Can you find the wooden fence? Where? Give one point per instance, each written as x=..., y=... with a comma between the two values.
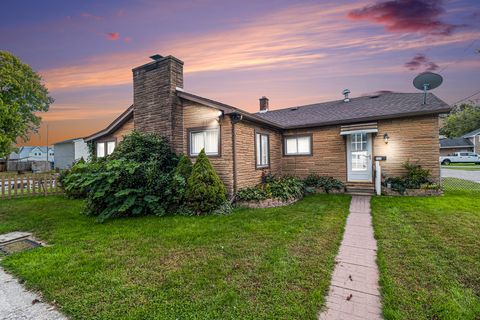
x=29, y=185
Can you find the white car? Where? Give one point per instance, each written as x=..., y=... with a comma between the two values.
x=460, y=157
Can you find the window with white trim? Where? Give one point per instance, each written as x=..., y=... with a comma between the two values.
x=105, y=148
x=262, y=150
x=208, y=139
x=298, y=145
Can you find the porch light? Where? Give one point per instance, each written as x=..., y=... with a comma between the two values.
x=386, y=137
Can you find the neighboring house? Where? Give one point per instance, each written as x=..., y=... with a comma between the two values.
x=338, y=138
x=35, y=153
x=474, y=138
x=70, y=151
x=449, y=146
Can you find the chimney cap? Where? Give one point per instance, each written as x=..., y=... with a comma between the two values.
x=156, y=57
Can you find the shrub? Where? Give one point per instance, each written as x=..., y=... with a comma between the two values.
x=326, y=183
x=180, y=177
x=74, y=181
x=284, y=188
x=205, y=191
x=145, y=147
x=415, y=178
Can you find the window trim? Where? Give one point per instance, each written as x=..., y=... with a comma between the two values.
x=200, y=129
x=289, y=136
x=105, y=146
x=261, y=133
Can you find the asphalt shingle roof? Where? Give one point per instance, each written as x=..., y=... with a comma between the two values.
x=455, y=142
x=375, y=107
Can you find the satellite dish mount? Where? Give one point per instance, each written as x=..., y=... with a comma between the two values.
x=427, y=81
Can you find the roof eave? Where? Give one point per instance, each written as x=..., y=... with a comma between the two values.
x=120, y=120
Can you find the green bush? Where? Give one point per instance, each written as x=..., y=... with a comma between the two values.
x=326, y=183
x=415, y=178
x=74, y=181
x=284, y=188
x=205, y=191
x=179, y=185
x=146, y=147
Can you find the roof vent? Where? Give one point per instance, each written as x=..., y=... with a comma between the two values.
x=346, y=92
x=156, y=57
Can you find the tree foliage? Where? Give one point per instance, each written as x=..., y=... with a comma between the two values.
x=205, y=191
x=462, y=119
x=22, y=94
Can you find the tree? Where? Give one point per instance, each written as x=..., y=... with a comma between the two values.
x=205, y=190
x=462, y=119
x=22, y=94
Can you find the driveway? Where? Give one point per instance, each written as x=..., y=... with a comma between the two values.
x=461, y=174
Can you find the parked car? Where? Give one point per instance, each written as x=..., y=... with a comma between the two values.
x=460, y=157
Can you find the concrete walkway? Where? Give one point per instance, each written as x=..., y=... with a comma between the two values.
x=17, y=303
x=354, y=292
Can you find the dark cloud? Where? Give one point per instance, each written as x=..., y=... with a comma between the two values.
x=420, y=61
x=406, y=16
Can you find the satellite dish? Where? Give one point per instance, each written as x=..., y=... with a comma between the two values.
x=427, y=81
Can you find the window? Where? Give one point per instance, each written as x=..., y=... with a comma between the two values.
x=298, y=145
x=208, y=139
x=262, y=150
x=105, y=148
x=463, y=154
x=110, y=147
x=100, y=149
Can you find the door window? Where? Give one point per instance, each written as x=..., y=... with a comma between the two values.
x=359, y=152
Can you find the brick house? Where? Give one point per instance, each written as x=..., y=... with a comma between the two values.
x=337, y=138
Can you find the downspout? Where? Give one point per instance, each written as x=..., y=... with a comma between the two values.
x=234, y=158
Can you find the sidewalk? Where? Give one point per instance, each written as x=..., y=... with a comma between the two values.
x=354, y=292
x=17, y=303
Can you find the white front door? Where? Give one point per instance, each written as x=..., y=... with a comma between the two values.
x=359, y=157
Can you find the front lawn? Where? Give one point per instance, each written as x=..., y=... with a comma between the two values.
x=429, y=255
x=253, y=264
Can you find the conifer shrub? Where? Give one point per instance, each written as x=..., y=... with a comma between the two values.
x=205, y=191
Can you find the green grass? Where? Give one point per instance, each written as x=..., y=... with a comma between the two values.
x=429, y=255
x=253, y=264
x=456, y=184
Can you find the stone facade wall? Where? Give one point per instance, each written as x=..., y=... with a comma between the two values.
x=414, y=139
x=156, y=107
x=198, y=116
x=247, y=173
x=328, y=154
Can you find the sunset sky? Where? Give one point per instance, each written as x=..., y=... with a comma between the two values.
x=293, y=52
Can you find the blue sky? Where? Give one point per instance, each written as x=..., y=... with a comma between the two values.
x=294, y=52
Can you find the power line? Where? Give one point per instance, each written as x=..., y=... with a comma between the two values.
x=467, y=97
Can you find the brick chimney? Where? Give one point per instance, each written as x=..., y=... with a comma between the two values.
x=263, y=104
x=156, y=106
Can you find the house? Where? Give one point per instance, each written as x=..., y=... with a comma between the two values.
x=70, y=151
x=31, y=158
x=338, y=138
x=474, y=137
x=451, y=145
x=33, y=153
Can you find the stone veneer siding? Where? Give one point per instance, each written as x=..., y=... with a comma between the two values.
x=246, y=171
x=328, y=157
x=414, y=139
x=198, y=116
x=156, y=106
